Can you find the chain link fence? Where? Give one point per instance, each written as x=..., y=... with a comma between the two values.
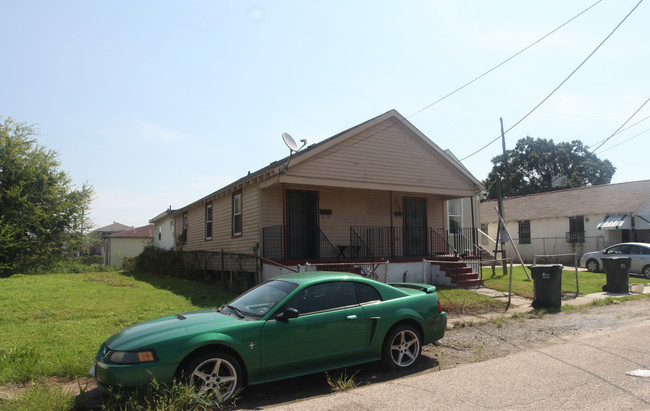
x=235, y=271
x=375, y=270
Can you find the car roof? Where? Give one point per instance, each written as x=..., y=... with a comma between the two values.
x=631, y=243
x=318, y=276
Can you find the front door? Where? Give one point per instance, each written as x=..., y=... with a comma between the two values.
x=415, y=227
x=302, y=224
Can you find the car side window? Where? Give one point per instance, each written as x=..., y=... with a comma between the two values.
x=644, y=251
x=621, y=249
x=322, y=297
x=635, y=250
x=367, y=293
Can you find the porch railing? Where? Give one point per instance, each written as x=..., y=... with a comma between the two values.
x=380, y=242
x=273, y=244
x=390, y=242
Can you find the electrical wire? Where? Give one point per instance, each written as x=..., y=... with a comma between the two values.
x=622, y=125
x=625, y=129
x=506, y=60
x=625, y=141
x=561, y=84
x=472, y=81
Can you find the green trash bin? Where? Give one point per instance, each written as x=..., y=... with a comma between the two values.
x=547, y=285
x=617, y=271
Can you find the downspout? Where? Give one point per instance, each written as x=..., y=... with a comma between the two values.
x=285, y=242
x=471, y=203
x=392, y=231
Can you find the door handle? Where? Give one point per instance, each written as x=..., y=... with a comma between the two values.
x=351, y=317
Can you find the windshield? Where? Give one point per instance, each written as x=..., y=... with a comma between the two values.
x=259, y=300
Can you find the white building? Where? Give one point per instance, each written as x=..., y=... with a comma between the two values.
x=163, y=231
x=576, y=220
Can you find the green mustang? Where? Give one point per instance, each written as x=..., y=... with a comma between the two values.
x=285, y=327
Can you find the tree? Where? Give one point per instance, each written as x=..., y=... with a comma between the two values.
x=42, y=215
x=534, y=164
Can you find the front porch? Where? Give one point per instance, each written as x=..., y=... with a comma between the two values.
x=369, y=243
x=455, y=253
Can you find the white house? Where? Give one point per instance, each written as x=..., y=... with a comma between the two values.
x=575, y=220
x=163, y=230
x=128, y=243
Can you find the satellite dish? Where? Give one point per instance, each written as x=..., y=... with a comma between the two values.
x=289, y=141
x=293, y=147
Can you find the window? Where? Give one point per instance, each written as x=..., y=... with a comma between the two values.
x=208, y=221
x=236, y=214
x=524, y=232
x=367, y=293
x=576, y=232
x=159, y=233
x=455, y=214
x=322, y=297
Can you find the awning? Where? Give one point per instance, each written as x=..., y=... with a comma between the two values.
x=614, y=222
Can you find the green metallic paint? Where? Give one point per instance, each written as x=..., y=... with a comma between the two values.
x=271, y=349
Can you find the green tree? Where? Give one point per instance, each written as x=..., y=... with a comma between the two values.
x=534, y=164
x=43, y=217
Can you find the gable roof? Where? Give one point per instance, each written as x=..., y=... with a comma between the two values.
x=392, y=118
x=114, y=228
x=621, y=198
x=140, y=232
x=162, y=216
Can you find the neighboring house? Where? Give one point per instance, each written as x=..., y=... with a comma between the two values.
x=100, y=235
x=379, y=190
x=128, y=243
x=576, y=220
x=163, y=230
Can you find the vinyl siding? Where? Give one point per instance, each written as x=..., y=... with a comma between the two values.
x=385, y=155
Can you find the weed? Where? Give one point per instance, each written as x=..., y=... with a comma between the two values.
x=479, y=353
x=156, y=396
x=341, y=381
x=498, y=321
x=19, y=364
x=42, y=397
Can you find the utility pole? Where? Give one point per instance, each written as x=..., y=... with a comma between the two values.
x=505, y=161
x=508, y=193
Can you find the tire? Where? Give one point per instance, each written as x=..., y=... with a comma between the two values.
x=402, y=347
x=646, y=271
x=215, y=374
x=592, y=266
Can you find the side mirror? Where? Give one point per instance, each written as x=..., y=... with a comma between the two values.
x=287, y=314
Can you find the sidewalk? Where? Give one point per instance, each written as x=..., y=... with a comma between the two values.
x=519, y=305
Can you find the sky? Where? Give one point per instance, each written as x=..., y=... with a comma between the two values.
x=160, y=103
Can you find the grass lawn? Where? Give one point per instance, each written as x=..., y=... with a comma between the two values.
x=589, y=282
x=53, y=324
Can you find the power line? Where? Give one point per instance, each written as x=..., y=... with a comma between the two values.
x=475, y=79
x=625, y=129
x=505, y=61
x=625, y=141
x=622, y=125
x=562, y=83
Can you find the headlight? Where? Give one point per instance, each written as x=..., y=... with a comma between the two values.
x=133, y=357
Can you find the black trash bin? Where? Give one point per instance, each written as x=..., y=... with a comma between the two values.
x=617, y=271
x=547, y=285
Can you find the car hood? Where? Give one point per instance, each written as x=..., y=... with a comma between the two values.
x=593, y=254
x=149, y=333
